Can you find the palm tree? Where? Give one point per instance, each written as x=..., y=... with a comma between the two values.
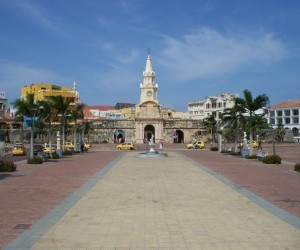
x=47, y=115
x=232, y=119
x=211, y=124
x=248, y=105
x=76, y=114
x=60, y=107
x=28, y=107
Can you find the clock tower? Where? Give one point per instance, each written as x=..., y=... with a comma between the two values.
x=148, y=114
x=148, y=89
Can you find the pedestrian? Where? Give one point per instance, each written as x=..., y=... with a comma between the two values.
x=81, y=145
x=259, y=146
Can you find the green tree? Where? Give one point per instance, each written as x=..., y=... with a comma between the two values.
x=60, y=109
x=248, y=105
x=77, y=114
x=211, y=125
x=233, y=120
x=48, y=116
x=279, y=133
x=28, y=107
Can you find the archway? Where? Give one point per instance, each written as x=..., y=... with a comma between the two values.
x=119, y=136
x=178, y=137
x=148, y=132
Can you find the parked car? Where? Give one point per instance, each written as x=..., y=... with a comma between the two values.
x=87, y=146
x=255, y=144
x=196, y=145
x=69, y=146
x=38, y=150
x=125, y=145
x=18, y=149
x=47, y=148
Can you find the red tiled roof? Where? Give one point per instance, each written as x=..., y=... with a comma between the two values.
x=88, y=114
x=287, y=104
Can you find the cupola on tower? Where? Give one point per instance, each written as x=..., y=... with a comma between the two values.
x=148, y=89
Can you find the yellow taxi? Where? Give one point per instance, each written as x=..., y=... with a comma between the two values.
x=196, y=145
x=18, y=149
x=69, y=146
x=47, y=148
x=255, y=144
x=125, y=145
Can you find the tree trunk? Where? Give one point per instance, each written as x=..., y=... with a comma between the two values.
x=31, y=140
x=50, y=139
x=75, y=137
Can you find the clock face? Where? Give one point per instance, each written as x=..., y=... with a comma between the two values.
x=149, y=93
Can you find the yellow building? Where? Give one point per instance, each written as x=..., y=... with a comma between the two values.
x=43, y=91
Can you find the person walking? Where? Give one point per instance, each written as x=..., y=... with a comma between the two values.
x=81, y=145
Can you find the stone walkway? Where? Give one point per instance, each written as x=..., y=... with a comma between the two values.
x=161, y=203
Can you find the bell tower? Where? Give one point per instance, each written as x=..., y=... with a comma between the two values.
x=148, y=89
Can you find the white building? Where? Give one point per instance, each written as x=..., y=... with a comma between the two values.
x=211, y=105
x=286, y=114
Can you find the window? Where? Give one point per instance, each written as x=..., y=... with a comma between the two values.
x=272, y=121
x=287, y=120
x=279, y=113
x=272, y=113
x=295, y=111
x=224, y=104
x=295, y=120
x=279, y=121
x=287, y=113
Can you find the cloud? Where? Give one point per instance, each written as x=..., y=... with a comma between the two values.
x=14, y=76
x=37, y=15
x=207, y=53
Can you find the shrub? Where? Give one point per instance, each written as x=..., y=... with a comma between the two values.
x=214, y=149
x=105, y=141
x=7, y=166
x=250, y=157
x=55, y=156
x=272, y=159
x=67, y=152
x=35, y=160
x=297, y=167
x=235, y=153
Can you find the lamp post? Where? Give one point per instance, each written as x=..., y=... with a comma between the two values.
x=220, y=139
x=273, y=132
x=58, y=149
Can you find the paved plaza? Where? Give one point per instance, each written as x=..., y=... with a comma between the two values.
x=106, y=199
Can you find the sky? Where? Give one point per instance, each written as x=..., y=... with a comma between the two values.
x=198, y=48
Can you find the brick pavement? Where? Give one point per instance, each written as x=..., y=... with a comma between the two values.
x=33, y=190
x=59, y=179
x=162, y=203
x=278, y=184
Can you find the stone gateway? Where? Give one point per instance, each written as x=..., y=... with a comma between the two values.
x=149, y=120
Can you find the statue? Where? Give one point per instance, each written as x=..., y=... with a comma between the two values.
x=151, y=142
